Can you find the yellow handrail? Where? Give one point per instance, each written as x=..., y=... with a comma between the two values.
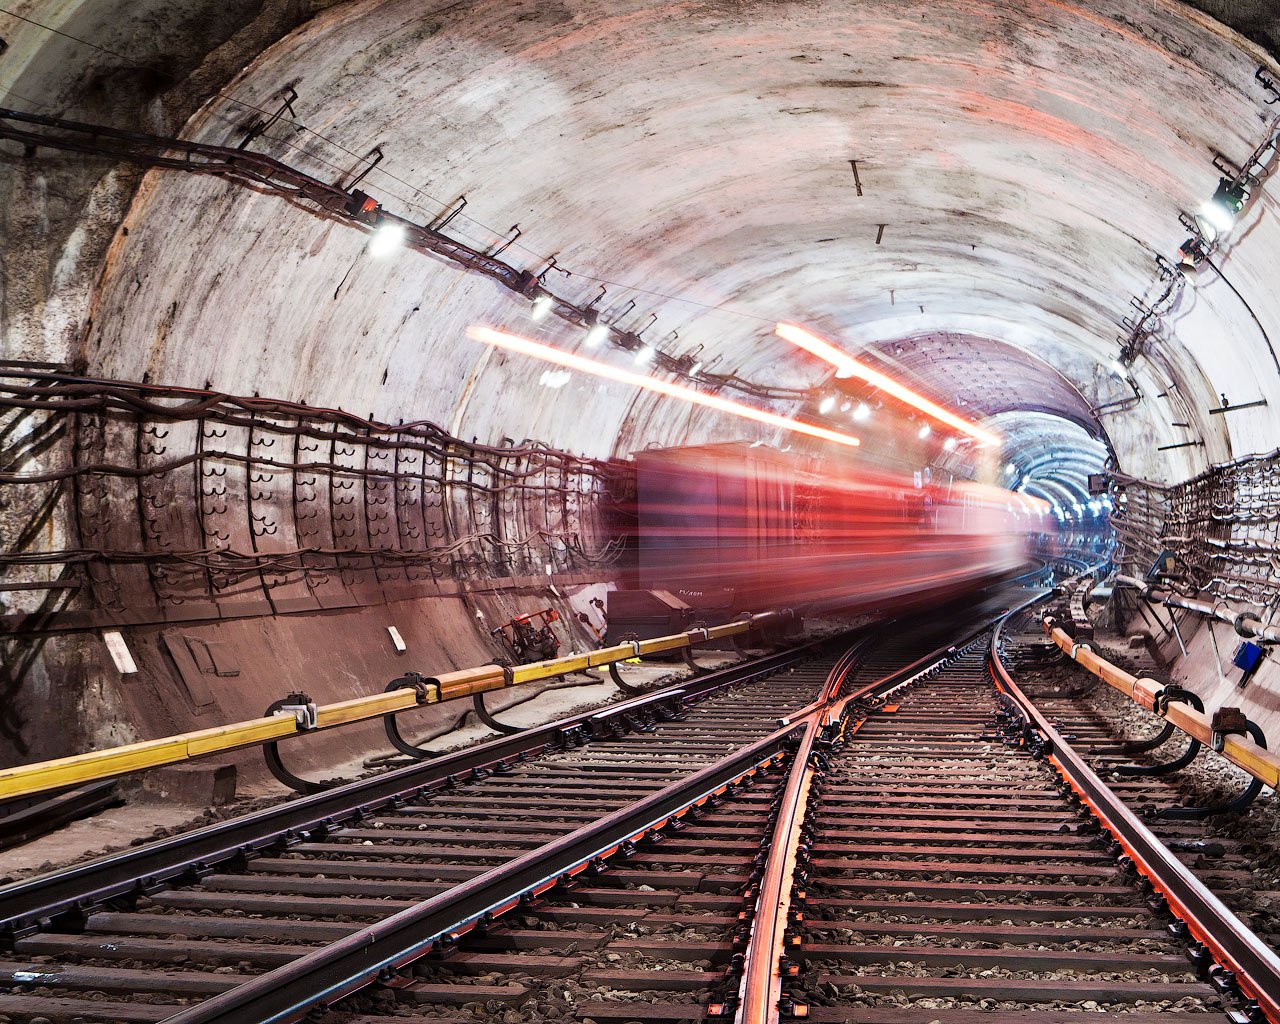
x=78, y=769
x=1241, y=751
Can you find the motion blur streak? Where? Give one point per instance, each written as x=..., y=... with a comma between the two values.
x=554, y=355
x=727, y=528
x=847, y=366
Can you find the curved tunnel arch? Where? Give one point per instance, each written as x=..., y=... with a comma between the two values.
x=678, y=194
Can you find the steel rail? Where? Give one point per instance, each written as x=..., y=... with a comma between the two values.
x=1231, y=942
x=317, y=979
x=71, y=892
x=761, y=983
x=416, y=691
x=760, y=988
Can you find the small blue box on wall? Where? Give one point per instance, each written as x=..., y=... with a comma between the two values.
x=1247, y=655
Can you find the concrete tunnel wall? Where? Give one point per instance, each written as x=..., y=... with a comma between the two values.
x=1028, y=163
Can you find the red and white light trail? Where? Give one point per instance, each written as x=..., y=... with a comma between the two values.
x=514, y=343
x=847, y=366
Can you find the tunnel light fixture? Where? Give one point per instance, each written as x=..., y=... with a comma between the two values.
x=542, y=303
x=596, y=335
x=1228, y=200
x=827, y=404
x=644, y=355
x=949, y=445
x=862, y=413
x=523, y=346
x=846, y=406
x=1204, y=228
x=1191, y=254
x=386, y=239
x=924, y=431
x=847, y=366
x=693, y=370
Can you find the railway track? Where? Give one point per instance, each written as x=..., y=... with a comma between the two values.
x=873, y=835
x=130, y=945
x=1231, y=852
x=951, y=874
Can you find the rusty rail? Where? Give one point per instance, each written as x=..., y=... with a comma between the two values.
x=1231, y=942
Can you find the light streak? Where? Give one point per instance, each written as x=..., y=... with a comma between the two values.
x=513, y=343
x=847, y=366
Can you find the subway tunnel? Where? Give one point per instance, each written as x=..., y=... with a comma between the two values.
x=1053, y=219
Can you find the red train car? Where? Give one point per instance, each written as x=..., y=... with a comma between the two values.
x=728, y=528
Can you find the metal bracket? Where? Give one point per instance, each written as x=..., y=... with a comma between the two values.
x=296, y=704
x=1232, y=806
x=392, y=726
x=482, y=712
x=304, y=713
x=621, y=683
x=1161, y=707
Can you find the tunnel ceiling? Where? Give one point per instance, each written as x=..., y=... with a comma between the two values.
x=1018, y=168
x=984, y=378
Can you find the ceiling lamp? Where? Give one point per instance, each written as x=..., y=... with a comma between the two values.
x=386, y=240
x=827, y=404
x=1190, y=255
x=1222, y=210
x=541, y=306
x=513, y=343
x=847, y=366
x=596, y=335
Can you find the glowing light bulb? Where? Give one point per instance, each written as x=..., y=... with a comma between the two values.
x=541, y=307
x=386, y=240
x=596, y=335
x=924, y=431
x=949, y=445
x=643, y=355
x=862, y=413
x=1218, y=217
x=827, y=404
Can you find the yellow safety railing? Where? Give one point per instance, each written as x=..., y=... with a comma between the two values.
x=79, y=769
x=1241, y=751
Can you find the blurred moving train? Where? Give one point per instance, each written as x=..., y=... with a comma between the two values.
x=728, y=528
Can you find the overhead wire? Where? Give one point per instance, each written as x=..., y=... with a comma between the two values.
x=383, y=171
